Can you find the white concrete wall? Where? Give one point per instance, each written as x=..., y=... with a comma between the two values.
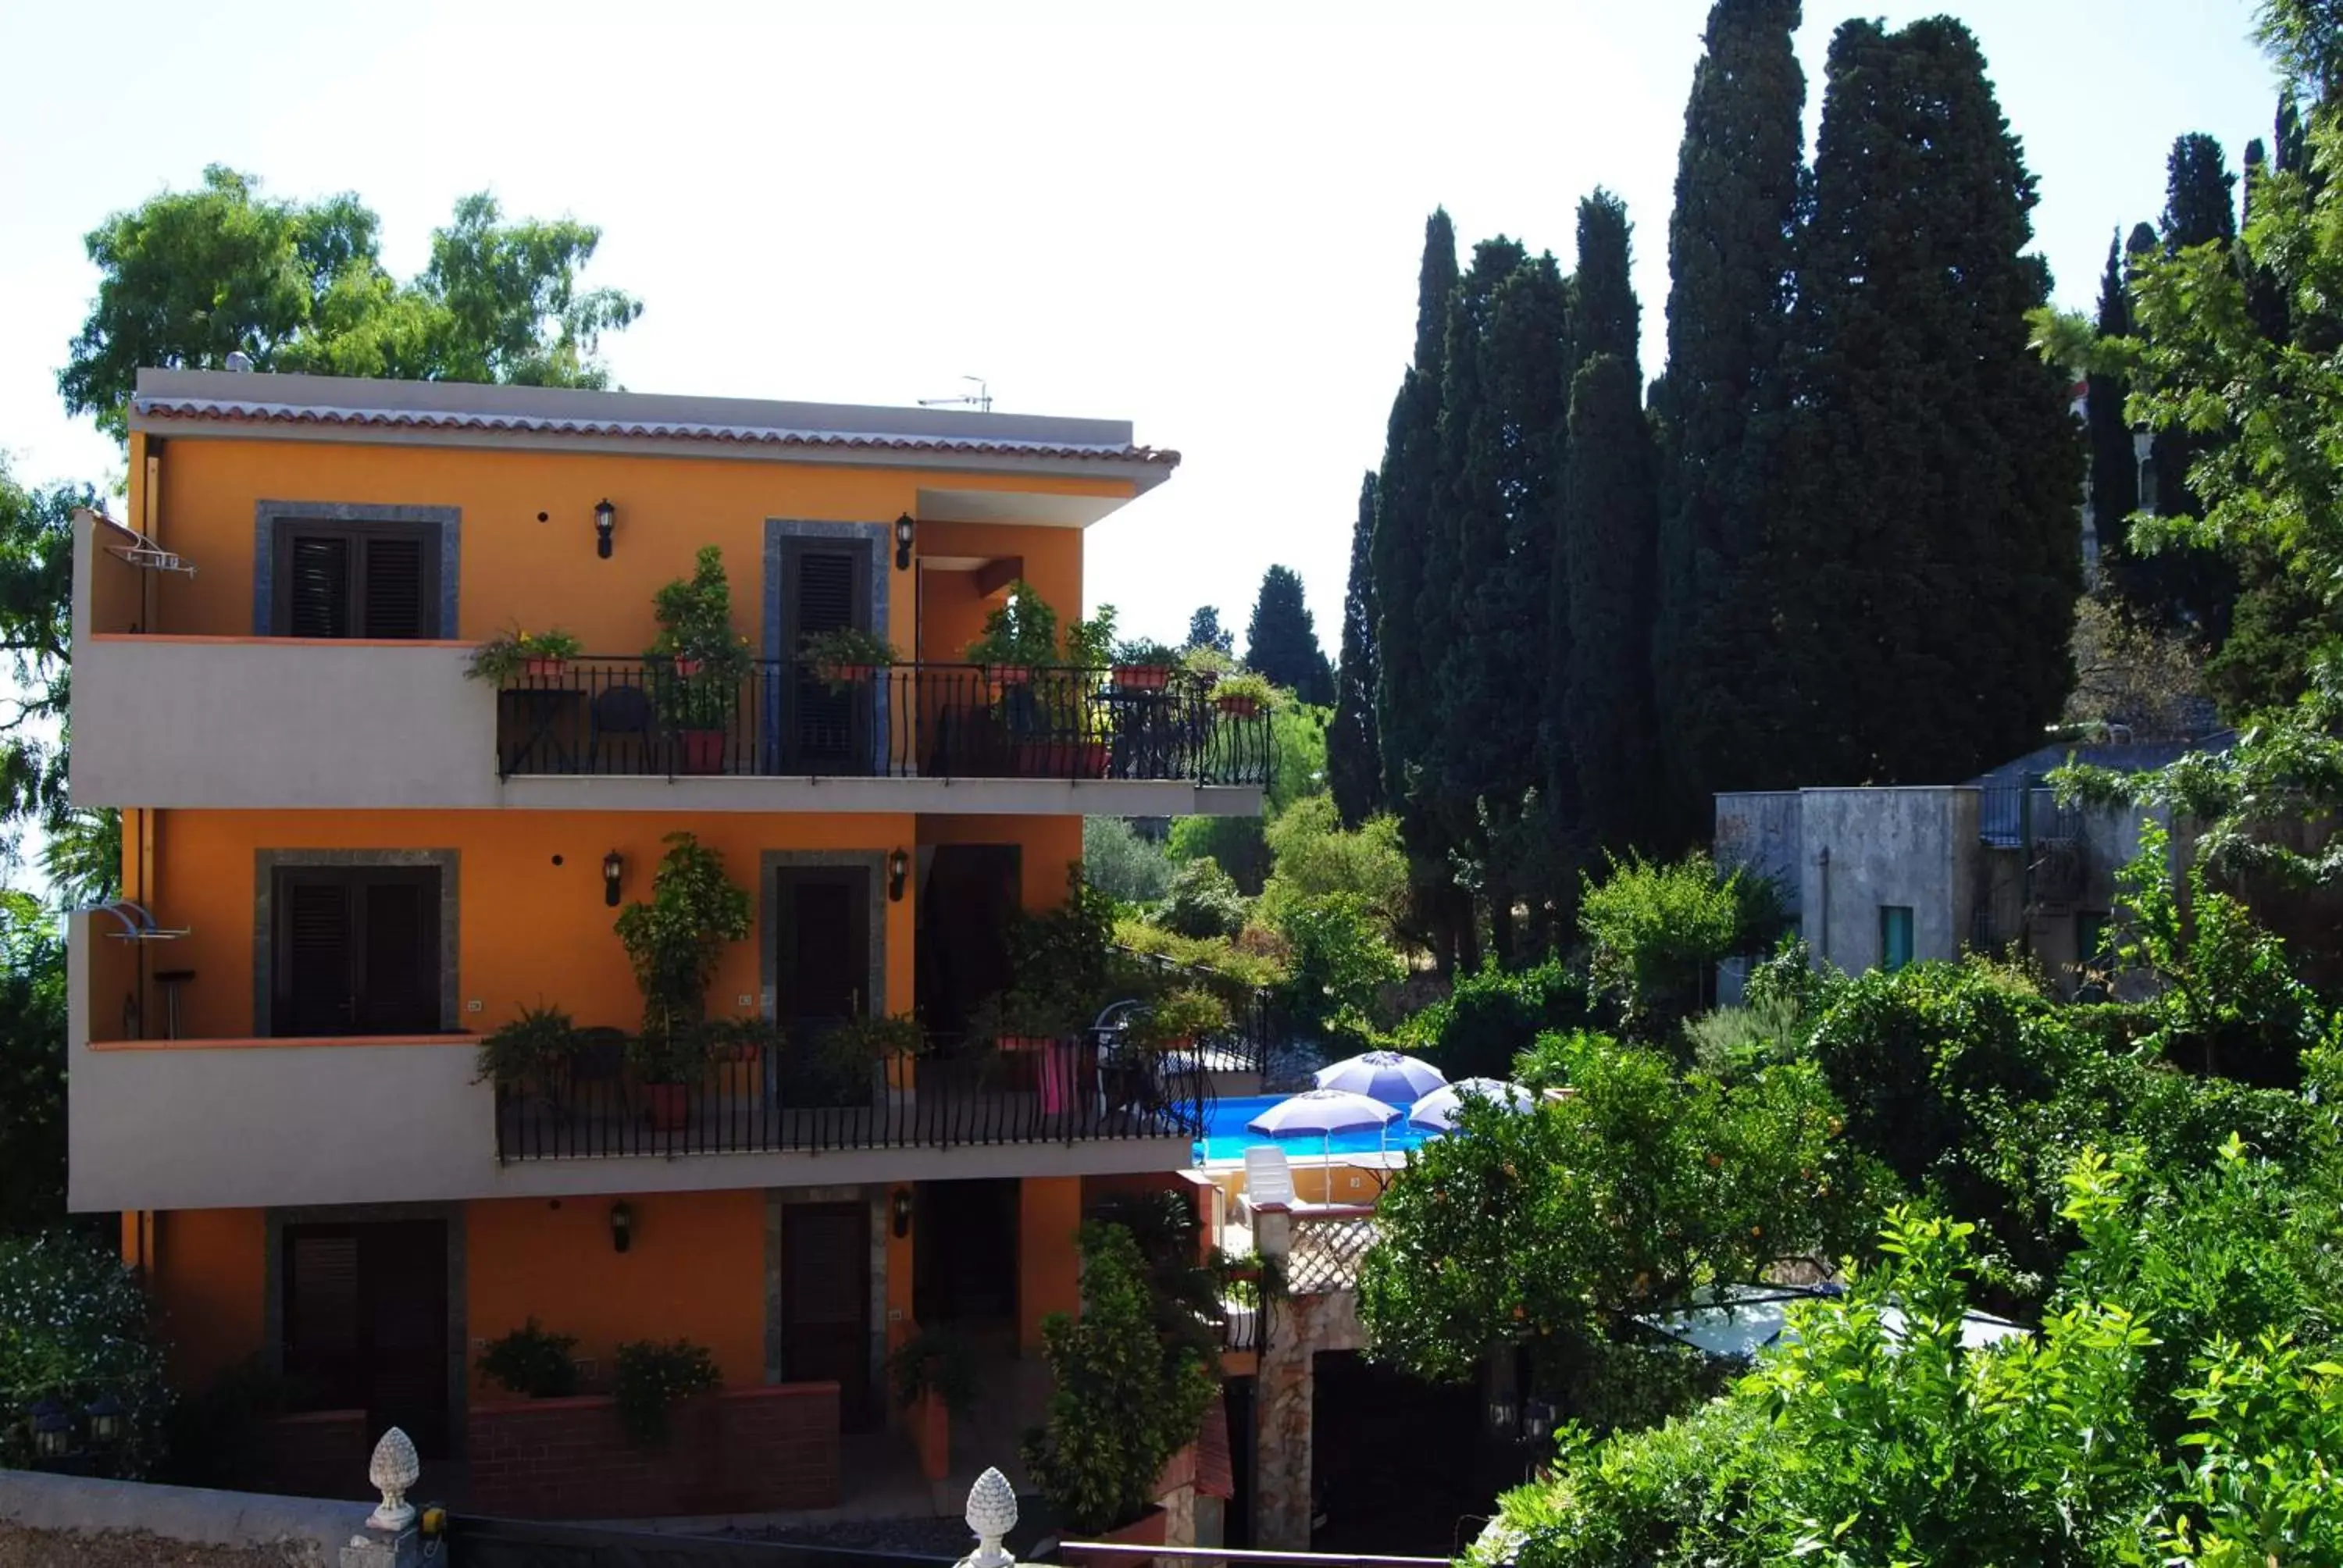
x=1759, y=831
x=1917, y=848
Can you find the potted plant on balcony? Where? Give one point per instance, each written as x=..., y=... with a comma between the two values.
x=531, y=1055
x=698, y=661
x=1019, y=637
x=532, y=1362
x=933, y=1376
x=544, y=654
x=1178, y=1021
x=674, y=943
x=846, y=657
x=1206, y=664
x=1243, y=693
x=1145, y=665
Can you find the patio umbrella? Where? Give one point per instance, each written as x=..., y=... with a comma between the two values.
x=1325, y=1112
x=1436, y=1111
x=1384, y=1075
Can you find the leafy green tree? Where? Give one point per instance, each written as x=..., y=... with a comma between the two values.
x=1205, y=630
x=32, y=1067
x=1354, y=767
x=1282, y=639
x=1657, y=929
x=73, y=1325
x=1202, y=901
x=191, y=277
x=1925, y=554
x=1314, y=855
x=1483, y=1026
x=1731, y=246
x=1238, y=845
x=36, y=640
x=1622, y=1197
x=2115, y=463
x=1120, y=863
x=1340, y=960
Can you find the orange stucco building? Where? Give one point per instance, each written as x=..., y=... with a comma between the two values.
x=344, y=861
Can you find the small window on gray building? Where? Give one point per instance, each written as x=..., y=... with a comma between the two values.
x=1895, y=936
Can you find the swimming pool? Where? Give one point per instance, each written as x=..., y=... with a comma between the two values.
x=1225, y=1137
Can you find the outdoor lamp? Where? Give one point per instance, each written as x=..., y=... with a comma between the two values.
x=104, y=1415
x=904, y=529
x=52, y=1429
x=1502, y=1416
x=899, y=867
x=1537, y=1420
x=902, y=1213
x=606, y=518
x=613, y=868
x=623, y=1226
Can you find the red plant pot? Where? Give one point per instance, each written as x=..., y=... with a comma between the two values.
x=934, y=1438
x=671, y=1106
x=842, y=673
x=1142, y=676
x=1011, y=674
x=546, y=668
x=685, y=669
x=1242, y=707
x=703, y=750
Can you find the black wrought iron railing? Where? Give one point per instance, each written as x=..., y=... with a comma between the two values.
x=772, y=1102
x=783, y=719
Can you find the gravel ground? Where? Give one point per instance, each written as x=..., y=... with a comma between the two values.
x=944, y=1538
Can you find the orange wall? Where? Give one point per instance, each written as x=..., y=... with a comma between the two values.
x=952, y=612
x=529, y=930
x=695, y=1269
x=1048, y=845
x=209, y=1275
x=1049, y=1263
x=516, y=568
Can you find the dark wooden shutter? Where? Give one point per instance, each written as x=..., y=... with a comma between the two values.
x=826, y=1302
x=319, y=587
x=400, y=963
x=315, y=978
x=828, y=593
x=394, y=586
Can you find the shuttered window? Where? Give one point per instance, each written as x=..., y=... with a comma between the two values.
x=356, y=579
x=356, y=951
x=828, y=590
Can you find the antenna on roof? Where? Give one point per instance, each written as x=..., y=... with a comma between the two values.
x=980, y=399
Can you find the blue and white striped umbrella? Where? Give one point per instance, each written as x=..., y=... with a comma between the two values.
x=1383, y=1075
x=1322, y=1113
x=1436, y=1111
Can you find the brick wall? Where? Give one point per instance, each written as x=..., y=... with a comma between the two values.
x=749, y=1450
x=318, y=1453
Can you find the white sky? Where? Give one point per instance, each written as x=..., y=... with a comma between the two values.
x=1202, y=217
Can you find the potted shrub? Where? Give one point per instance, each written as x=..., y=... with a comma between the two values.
x=1019, y=637
x=531, y=1054
x=1145, y=666
x=698, y=661
x=531, y=1362
x=650, y=1377
x=674, y=943
x=1126, y=1399
x=883, y=1035
x=1179, y=1020
x=1242, y=693
x=509, y=653
x=1205, y=665
x=933, y=1377
x=847, y=656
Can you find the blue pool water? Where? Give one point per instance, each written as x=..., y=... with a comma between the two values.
x=1225, y=1137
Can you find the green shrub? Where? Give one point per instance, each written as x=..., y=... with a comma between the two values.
x=531, y=1362
x=1340, y=962
x=1238, y=845
x=1732, y=1042
x=650, y=1377
x=1119, y=863
x=73, y=1327
x=937, y=1361
x=1657, y=930
x=1203, y=901
x=1313, y=856
x=1493, y=1016
x=1245, y=967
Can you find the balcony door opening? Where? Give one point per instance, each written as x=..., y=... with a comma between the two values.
x=965, y=1259
x=821, y=978
x=967, y=902
x=355, y=950
x=366, y=1325
x=825, y=725
x=825, y=1303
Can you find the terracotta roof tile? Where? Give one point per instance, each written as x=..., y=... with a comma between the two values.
x=240, y=412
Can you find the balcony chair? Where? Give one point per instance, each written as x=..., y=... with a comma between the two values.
x=618, y=712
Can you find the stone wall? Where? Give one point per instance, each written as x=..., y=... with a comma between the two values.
x=750, y=1451
x=55, y=1518
x=1299, y=1327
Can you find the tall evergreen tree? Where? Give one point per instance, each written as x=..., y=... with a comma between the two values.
x=2200, y=194
x=1354, y=765
x=1925, y=517
x=1282, y=642
x=1605, y=575
x=1408, y=652
x=1731, y=241
x=1502, y=423
x=2115, y=465
x=1205, y=630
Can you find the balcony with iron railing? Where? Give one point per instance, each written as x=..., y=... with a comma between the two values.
x=669, y=719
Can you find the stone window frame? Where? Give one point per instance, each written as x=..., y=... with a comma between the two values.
x=777, y=1203
x=266, y=515
x=266, y=863
x=879, y=538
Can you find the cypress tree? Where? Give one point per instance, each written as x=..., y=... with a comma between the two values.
x=1924, y=515
x=1205, y=630
x=1730, y=252
x=1604, y=316
x=1354, y=765
x=1281, y=640
x=2115, y=467
x=2200, y=194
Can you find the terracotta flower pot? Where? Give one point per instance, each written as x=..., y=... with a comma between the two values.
x=703, y=750
x=1142, y=676
x=670, y=1105
x=1011, y=674
x=842, y=673
x=1242, y=707
x=685, y=669
x=1148, y=1530
x=546, y=668
x=933, y=1438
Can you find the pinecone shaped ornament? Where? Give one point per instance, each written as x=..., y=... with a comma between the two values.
x=992, y=1514
x=393, y=1470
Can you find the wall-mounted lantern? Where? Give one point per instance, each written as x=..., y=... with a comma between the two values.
x=104, y=1415
x=898, y=872
x=606, y=519
x=1537, y=1420
x=1503, y=1416
x=52, y=1429
x=614, y=867
x=623, y=1226
x=904, y=531
x=902, y=1209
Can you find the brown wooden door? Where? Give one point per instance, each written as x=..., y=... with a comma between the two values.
x=356, y=951
x=828, y=590
x=825, y=1303
x=366, y=1323
x=822, y=978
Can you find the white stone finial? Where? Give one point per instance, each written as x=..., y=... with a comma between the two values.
x=393, y=1470
x=992, y=1514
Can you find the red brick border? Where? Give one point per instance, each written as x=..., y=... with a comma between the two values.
x=318, y=1453
x=748, y=1451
